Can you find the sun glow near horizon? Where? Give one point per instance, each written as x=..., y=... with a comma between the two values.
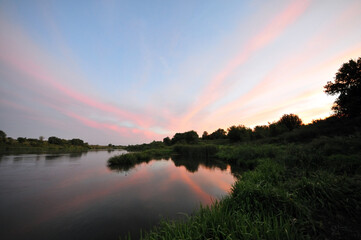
x=133, y=72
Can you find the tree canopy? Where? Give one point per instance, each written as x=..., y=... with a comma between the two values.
x=239, y=133
x=2, y=136
x=290, y=121
x=348, y=84
x=187, y=137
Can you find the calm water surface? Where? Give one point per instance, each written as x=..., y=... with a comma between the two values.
x=76, y=196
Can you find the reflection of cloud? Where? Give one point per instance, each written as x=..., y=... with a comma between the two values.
x=84, y=200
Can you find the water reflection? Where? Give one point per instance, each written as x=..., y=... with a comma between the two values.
x=50, y=197
x=191, y=164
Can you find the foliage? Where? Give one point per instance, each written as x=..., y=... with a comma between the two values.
x=291, y=121
x=2, y=136
x=348, y=85
x=186, y=137
x=239, y=133
x=127, y=161
x=196, y=151
x=305, y=185
x=55, y=140
x=267, y=203
x=37, y=145
x=218, y=134
x=167, y=141
x=261, y=132
x=205, y=135
x=76, y=142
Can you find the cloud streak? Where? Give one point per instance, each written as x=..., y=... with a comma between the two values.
x=265, y=37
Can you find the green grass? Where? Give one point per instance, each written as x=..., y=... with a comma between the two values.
x=267, y=204
x=196, y=150
x=290, y=191
x=299, y=190
x=125, y=162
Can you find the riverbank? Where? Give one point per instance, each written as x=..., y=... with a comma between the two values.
x=304, y=184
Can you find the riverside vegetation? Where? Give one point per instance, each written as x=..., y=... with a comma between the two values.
x=298, y=181
x=21, y=145
x=303, y=183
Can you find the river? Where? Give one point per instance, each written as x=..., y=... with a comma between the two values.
x=76, y=196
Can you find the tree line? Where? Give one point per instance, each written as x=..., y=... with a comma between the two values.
x=240, y=133
x=347, y=85
x=41, y=141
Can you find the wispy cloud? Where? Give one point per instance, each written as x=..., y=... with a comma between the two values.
x=265, y=37
x=21, y=55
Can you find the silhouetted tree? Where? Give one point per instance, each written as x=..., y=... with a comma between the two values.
x=218, y=134
x=191, y=136
x=290, y=121
x=205, y=135
x=239, y=133
x=21, y=139
x=55, y=140
x=77, y=142
x=188, y=137
x=41, y=138
x=348, y=85
x=261, y=132
x=167, y=141
x=2, y=136
x=276, y=129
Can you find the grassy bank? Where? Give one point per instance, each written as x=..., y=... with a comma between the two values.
x=300, y=190
x=308, y=191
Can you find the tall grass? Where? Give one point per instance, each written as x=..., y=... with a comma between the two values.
x=295, y=191
x=267, y=204
x=308, y=190
x=196, y=151
x=125, y=162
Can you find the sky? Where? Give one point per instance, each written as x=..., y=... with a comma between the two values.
x=129, y=72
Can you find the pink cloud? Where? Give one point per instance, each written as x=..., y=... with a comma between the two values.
x=265, y=37
x=19, y=53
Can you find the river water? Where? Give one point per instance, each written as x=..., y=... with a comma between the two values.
x=76, y=196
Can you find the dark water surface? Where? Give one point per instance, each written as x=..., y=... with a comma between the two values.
x=76, y=196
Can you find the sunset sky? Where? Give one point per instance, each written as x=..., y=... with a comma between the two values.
x=126, y=72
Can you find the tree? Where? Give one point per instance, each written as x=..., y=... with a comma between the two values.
x=290, y=121
x=167, y=141
x=21, y=139
x=261, y=131
x=2, y=136
x=205, y=135
x=191, y=136
x=55, y=140
x=218, y=134
x=188, y=137
x=77, y=142
x=239, y=133
x=348, y=85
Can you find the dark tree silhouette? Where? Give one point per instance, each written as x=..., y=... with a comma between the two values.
x=167, y=141
x=348, y=85
x=290, y=121
x=55, y=140
x=188, y=137
x=261, y=131
x=239, y=133
x=218, y=134
x=2, y=136
x=76, y=142
x=205, y=135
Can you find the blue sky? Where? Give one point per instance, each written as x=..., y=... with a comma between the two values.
x=127, y=72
